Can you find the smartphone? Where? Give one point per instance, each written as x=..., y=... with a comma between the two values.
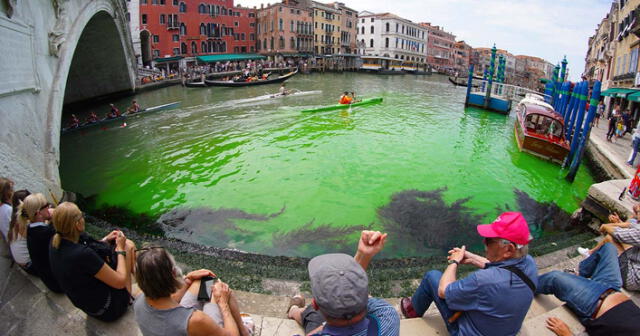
x=204, y=293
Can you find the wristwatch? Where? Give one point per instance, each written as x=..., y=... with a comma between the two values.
x=451, y=261
x=123, y=253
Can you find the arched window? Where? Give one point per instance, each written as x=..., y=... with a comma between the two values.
x=210, y=46
x=362, y=30
x=371, y=43
x=224, y=11
x=202, y=9
x=372, y=29
x=293, y=43
x=162, y=19
x=203, y=47
x=183, y=48
x=281, y=44
x=223, y=46
x=280, y=25
x=203, y=29
x=183, y=29
x=386, y=42
x=217, y=10
x=183, y=7
x=271, y=44
x=194, y=48
x=387, y=26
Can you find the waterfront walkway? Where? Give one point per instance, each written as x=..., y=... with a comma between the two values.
x=616, y=152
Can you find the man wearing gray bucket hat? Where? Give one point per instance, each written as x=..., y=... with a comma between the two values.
x=340, y=288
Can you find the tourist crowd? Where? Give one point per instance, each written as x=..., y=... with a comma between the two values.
x=97, y=275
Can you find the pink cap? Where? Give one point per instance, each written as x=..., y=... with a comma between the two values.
x=510, y=226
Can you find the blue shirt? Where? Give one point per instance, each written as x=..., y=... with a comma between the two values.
x=494, y=300
x=383, y=312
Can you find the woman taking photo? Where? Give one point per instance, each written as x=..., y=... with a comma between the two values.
x=169, y=304
x=89, y=282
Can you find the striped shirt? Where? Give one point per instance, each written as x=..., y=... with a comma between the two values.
x=383, y=312
x=630, y=259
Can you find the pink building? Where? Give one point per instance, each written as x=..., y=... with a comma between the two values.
x=285, y=28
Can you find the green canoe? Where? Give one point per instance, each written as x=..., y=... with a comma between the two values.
x=369, y=101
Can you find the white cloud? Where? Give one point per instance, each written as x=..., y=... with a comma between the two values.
x=545, y=28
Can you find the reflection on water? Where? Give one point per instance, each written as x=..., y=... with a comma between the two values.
x=234, y=148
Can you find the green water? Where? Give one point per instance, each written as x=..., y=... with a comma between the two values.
x=329, y=169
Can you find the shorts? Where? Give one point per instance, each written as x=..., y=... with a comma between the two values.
x=118, y=303
x=190, y=300
x=311, y=319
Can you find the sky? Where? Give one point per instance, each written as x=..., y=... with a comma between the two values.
x=549, y=29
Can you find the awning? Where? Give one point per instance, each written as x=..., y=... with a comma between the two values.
x=617, y=92
x=634, y=97
x=295, y=55
x=229, y=57
x=167, y=59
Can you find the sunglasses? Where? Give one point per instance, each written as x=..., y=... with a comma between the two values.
x=46, y=206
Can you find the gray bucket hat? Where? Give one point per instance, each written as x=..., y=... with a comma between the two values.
x=339, y=285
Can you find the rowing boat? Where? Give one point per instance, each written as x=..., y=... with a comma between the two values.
x=122, y=117
x=364, y=102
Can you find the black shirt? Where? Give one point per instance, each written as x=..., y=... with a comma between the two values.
x=38, y=239
x=623, y=319
x=75, y=266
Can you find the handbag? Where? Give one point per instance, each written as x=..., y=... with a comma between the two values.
x=104, y=250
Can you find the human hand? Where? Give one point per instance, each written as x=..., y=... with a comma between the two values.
x=221, y=292
x=371, y=242
x=111, y=236
x=457, y=254
x=199, y=274
x=468, y=257
x=558, y=327
x=614, y=218
x=120, y=241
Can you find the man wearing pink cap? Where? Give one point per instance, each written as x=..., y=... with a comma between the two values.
x=491, y=301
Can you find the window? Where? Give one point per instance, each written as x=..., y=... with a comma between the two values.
x=293, y=43
x=143, y=2
x=236, y=24
x=156, y=53
x=264, y=44
x=203, y=29
x=386, y=42
x=371, y=19
x=176, y=51
x=194, y=48
x=292, y=30
x=183, y=48
x=144, y=18
x=183, y=7
x=281, y=42
x=387, y=26
x=252, y=37
x=292, y=11
x=162, y=2
x=156, y=38
x=371, y=43
x=162, y=19
x=175, y=2
x=175, y=38
x=202, y=9
x=242, y=36
x=362, y=30
x=371, y=29
x=203, y=47
x=280, y=24
x=271, y=44
x=252, y=48
x=183, y=29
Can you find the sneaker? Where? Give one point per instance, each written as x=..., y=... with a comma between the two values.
x=407, y=308
x=584, y=251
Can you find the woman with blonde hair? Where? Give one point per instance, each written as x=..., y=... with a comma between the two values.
x=33, y=209
x=89, y=282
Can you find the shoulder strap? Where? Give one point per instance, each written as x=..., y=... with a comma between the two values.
x=522, y=276
x=373, y=329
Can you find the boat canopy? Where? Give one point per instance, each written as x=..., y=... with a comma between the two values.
x=538, y=109
x=618, y=92
x=229, y=57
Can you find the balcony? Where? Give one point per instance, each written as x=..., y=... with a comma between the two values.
x=173, y=25
x=627, y=76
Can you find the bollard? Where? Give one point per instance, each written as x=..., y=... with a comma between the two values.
x=576, y=124
x=586, y=131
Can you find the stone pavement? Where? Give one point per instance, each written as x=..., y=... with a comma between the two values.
x=616, y=152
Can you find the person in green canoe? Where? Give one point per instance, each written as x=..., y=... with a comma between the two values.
x=345, y=99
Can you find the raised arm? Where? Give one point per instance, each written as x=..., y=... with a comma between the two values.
x=370, y=243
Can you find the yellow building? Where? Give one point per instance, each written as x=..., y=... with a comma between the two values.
x=326, y=28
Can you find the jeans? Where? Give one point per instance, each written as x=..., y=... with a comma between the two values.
x=634, y=150
x=612, y=130
x=579, y=292
x=427, y=293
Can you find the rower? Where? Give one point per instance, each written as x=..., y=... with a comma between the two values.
x=345, y=99
x=74, y=121
x=353, y=98
x=114, y=113
x=92, y=118
x=283, y=90
x=133, y=108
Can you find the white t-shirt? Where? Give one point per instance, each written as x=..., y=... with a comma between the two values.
x=5, y=219
x=20, y=251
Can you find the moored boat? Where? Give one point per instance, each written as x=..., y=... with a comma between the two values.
x=122, y=117
x=230, y=83
x=540, y=131
x=364, y=102
x=195, y=84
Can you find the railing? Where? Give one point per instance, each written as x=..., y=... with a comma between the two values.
x=501, y=90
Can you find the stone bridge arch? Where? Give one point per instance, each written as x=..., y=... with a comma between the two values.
x=62, y=51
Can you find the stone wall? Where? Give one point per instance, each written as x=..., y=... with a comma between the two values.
x=39, y=40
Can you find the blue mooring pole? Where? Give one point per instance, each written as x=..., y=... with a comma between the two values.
x=581, y=101
x=562, y=103
x=469, y=83
x=576, y=123
x=570, y=107
x=586, y=131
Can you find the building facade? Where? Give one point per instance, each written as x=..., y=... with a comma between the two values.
x=285, y=28
x=326, y=28
x=388, y=35
x=170, y=28
x=348, y=29
x=462, y=57
x=440, y=55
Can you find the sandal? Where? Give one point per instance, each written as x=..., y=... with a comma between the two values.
x=407, y=308
x=297, y=300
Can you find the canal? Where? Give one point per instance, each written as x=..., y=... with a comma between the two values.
x=231, y=170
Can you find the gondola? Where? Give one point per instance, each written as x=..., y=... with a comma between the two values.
x=231, y=83
x=195, y=84
x=456, y=83
x=122, y=117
